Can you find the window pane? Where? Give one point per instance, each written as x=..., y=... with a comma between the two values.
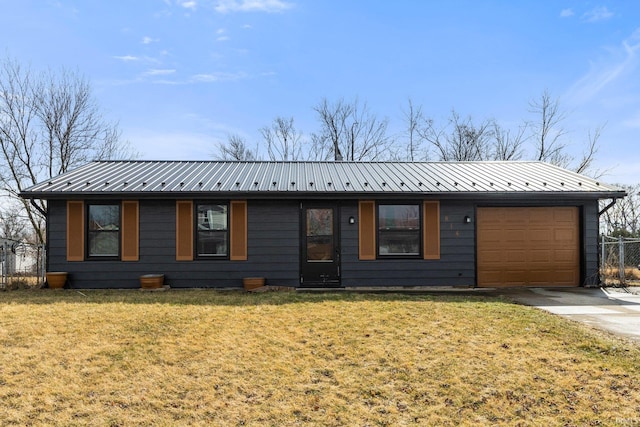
x=104, y=217
x=212, y=234
x=212, y=217
x=319, y=222
x=398, y=217
x=399, y=242
x=212, y=243
x=320, y=248
x=399, y=229
x=104, y=230
x=103, y=243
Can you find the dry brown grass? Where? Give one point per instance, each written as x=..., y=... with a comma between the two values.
x=125, y=358
x=611, y=276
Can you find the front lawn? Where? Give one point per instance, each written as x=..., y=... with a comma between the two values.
x=120, y=358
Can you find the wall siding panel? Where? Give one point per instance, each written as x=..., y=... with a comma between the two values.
x=455, y=267
x=272, y=250
x=273, y=247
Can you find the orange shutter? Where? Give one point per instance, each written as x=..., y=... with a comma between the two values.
x=129, y=230
x=75, y=230
x=184, y=230
x=431, y=232
x=238, y=230
x=367, y=230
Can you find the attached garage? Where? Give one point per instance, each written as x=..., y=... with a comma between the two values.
x=528, y=246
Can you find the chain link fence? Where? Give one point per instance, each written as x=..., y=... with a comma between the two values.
x=21, y=264
x=619, y=261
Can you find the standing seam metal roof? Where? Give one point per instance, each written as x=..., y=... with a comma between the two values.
x=178, y=177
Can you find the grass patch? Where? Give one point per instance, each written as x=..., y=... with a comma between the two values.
x=206, y=358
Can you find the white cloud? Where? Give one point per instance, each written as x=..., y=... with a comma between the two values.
x=565, y=13
x=217, y=77
x=188, y=4
x=221, y=35
x=622, y=62
x=149, y=40
x=269, y=6
x=127, y=58
x=597, y=14
x=159, y=72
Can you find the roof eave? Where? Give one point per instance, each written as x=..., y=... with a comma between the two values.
x=466, y=195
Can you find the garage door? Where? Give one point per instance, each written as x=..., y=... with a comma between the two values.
x=528, y=246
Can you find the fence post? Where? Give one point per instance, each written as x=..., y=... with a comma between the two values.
x=603, y=266
x=621, y=260
x=43, y=263
x=3, y=265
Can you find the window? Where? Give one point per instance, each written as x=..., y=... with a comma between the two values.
x=103, y=234
x=399, y=232
x=212, y=230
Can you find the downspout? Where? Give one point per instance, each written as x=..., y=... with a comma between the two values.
x=606, y=208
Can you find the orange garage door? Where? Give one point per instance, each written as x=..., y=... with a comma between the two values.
x=528, y=246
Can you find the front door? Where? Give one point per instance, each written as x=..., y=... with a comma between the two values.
x=320, y=252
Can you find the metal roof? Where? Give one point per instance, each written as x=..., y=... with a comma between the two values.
x=340, y=179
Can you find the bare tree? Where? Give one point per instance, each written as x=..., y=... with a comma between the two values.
x=334, y=125
x=623, y=219
x=414, y=120
x=588, y=155
x=548, y=130
x=235, y=149
x=48, y=124
x=284, y=141
x=460, y=140
x=507, y=146
x=13, y=223
x=350, y=131
x=550, y=137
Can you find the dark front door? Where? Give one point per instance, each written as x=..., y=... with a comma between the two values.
x=320, y=252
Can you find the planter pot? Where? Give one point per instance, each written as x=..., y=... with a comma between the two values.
x=151, y=281
x=56, y=279
x=250, y=283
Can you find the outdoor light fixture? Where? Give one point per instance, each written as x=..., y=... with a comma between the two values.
x=352, y=220
x=467, y=219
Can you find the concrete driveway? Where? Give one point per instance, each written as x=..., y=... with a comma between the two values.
x=615, y=310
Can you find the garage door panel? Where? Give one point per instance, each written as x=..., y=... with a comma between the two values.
x=514, y=235
x=566, y=256
x=516, y=257
x=564, y=235
x=490, y=235
x=540, y=235
x=515, y=275
x=540, y=216
x=566, y=214
x=492, y=276
x=491, y=257
x=540, y=255
x=536, y=246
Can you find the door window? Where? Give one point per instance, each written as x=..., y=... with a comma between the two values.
x=320, y=245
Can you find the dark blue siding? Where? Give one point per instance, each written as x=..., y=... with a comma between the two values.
x=272, y=251
x=590, y=243
x=456, y=266
x=274, y=247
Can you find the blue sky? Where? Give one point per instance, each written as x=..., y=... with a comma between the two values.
x=179, y=75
